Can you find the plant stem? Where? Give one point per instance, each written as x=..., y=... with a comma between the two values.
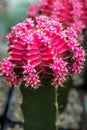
x=56, y=105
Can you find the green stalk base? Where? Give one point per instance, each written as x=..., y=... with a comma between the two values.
x=38, y=108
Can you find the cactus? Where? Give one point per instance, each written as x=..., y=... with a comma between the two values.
x=42, y=55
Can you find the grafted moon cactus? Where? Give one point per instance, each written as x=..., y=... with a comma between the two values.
x=71, y=13
x=66, y=11
x=41, y=49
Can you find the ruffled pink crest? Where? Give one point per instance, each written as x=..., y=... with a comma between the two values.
x=71, y=10
x=40, y=49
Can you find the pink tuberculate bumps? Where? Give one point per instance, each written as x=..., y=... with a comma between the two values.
x=40, y=49
x=71, y=13
x=66, y=11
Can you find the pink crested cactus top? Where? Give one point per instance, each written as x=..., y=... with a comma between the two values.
x=66, y=11
x=71, y=13
x=40, y=49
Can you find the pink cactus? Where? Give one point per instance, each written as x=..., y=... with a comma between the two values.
x=71, y=13
x=41, y=50
x=60, y=71
x=13, y=79
x=32, y=80
x=6, y=67
x=7, y=70
x=33, y=10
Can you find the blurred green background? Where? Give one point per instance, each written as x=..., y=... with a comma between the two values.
x=11, y=12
